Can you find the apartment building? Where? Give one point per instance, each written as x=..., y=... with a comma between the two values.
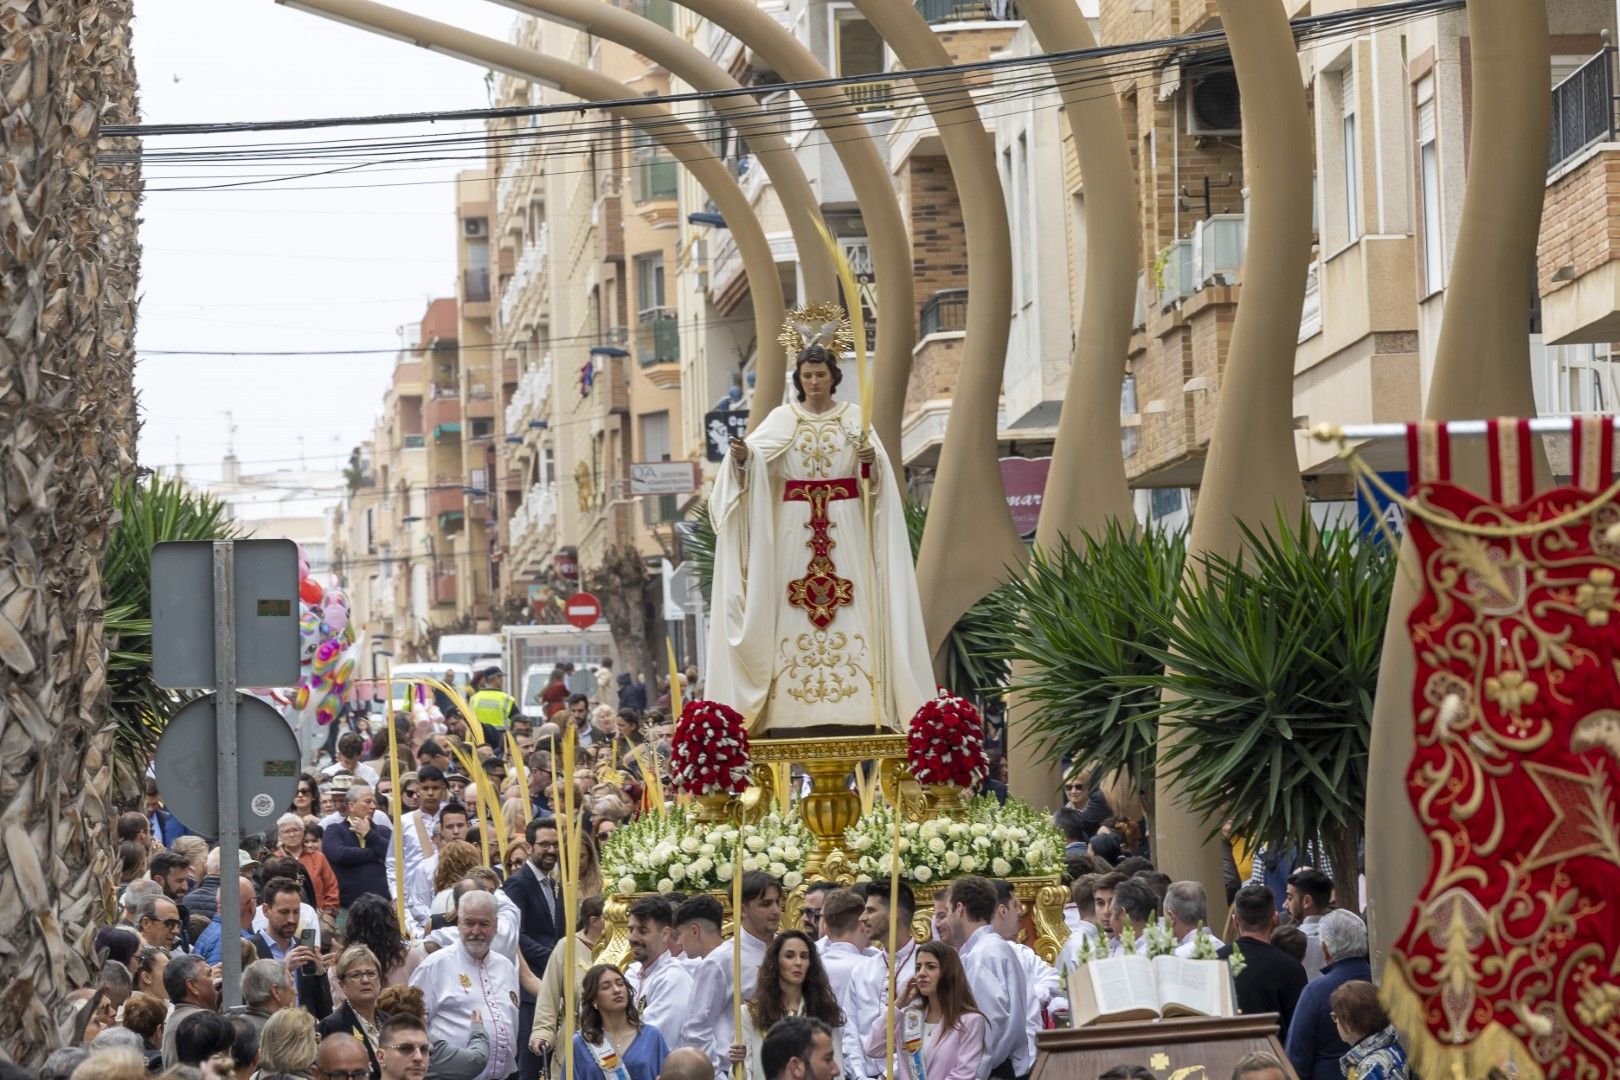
x=584, y=250
x=1390, y=111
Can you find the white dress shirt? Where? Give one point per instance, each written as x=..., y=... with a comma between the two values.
x=840, y=959
x=361, y=772
x=1002, y=992
x=1184, y=948
x=663, y=994
x=415, y=850
x=865, y=997
x=454, y=986
x=709, y=1026
x=1043, y=984
x=419, y=891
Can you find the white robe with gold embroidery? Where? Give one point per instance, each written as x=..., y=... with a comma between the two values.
x=454, y=986
x=809, y=612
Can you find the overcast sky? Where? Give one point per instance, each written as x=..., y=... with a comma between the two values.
x=285, y=269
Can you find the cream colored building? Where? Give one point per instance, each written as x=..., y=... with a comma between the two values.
x=585, y=241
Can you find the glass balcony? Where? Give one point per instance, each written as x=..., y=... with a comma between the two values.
x=653, y=180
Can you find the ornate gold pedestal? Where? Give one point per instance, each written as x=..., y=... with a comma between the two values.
x=831, y=808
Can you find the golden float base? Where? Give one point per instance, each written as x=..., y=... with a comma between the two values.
x=828, y=810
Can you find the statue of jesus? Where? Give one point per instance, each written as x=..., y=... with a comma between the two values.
x=816, y=626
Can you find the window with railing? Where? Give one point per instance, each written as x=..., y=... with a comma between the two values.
x=653, y=174
x=1582, y=109
x=475, y=284
x=945, y=311
x=1579, y=379
x=658, y=336
x=944, y=11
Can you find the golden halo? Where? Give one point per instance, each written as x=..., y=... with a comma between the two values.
x=821, y=323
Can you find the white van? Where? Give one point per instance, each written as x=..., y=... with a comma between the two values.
x=404, y=673
x=470, y=649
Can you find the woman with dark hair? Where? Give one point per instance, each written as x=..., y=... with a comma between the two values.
x=938, y=1029
x=809, y=514
x=1376, y=1052
x=612, y=1042
x=146, y=971
x=372, y=923
x=307, y=799
x=792, y=982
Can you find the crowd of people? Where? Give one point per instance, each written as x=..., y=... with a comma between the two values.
x=474, y=984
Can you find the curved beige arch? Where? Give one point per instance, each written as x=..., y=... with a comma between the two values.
x=1086, y=488
x=765, y=142
x=869, y=176
x=682, y=143
x=1481, y=370
x=1252, y=471
x=970, y=543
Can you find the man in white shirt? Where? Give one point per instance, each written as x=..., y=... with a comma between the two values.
x=697, y=930
x=508, y=920
x=867, y=993
x=996, y=977
x=419, y=892
x=1137, y=905
x=1043, y=981
x=469, y=977
x=843, y=949
x=1187, y=907
x=709, y=1026
x=662, y=984
x=1309, y=897
x=1084, y=895
x=418, y=825
x=349, y=746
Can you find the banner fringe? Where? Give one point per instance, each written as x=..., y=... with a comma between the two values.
x=1432, y=1059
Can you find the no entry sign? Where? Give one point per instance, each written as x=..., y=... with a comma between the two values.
x=583, y=610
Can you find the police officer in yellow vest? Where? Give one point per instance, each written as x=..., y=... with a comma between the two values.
x=493, y=707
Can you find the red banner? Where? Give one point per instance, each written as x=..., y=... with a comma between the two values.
x=1512, y=952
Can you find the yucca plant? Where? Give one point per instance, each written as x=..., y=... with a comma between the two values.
x=1083, y=623
x=1271, y=664
x=161, y=508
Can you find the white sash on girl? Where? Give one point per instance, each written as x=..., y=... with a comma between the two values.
x=607, y=1059
x=911, y=1040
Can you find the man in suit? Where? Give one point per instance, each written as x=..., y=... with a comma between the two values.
x=166, y=828
x=538, y=896
x=283, y=900
x=1271, y=980
x=357, y=847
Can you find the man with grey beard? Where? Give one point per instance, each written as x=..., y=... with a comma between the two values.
x=471, y=978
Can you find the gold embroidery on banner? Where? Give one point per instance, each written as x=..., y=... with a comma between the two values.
x=824, y=666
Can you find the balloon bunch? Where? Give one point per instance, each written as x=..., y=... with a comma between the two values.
x=330, y=647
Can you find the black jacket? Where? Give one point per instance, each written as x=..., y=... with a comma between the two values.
x=538, y=932
x=314, y=992
x=1271, y=980
x=344, y=1020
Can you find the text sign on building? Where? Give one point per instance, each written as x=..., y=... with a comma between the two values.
x=1024, y=481
x=663, y=478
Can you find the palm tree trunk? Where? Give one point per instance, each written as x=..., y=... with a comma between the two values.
x=68, y=262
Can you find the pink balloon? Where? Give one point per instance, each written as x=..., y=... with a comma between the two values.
x=336, y=616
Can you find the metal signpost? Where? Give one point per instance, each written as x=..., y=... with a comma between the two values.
x=224, y=614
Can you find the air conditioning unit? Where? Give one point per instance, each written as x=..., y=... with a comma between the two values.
x=474, y=226
x=1213, y=105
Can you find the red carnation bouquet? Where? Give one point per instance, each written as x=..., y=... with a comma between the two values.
x=709, y=752
x=946, y=743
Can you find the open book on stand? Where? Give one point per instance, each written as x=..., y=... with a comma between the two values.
x=1123, y=988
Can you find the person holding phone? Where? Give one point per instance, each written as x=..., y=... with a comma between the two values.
x=282, y=940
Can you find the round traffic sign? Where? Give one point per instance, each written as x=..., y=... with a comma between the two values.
x=267, y=765
x=583, y=610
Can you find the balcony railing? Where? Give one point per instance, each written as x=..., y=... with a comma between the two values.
x=1310, y=315
x=871, y=96
x=1218, y=244
x=948, y=11
x=946, y=310
x=415, y=442
x=475, y=284
x=528, y=268
x=1582, y=109
x=653, y=180
x=658, y=338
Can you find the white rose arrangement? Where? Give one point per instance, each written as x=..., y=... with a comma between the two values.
x=995, y=840
x=661, y=852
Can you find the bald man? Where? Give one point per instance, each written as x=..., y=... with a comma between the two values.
x=686, y=1063
x=208, y=946
x=342, y=1057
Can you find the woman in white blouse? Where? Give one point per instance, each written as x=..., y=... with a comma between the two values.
x=792, y=982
